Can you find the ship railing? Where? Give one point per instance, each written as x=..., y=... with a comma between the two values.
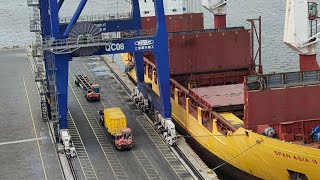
x=207, y=30
x=225, y=126
x=314, y=27
x=193, y=111
x=182, y=102
x=63, y=46
x=33, y=2
x=283, y=80
x=133, y=34
x=97, y=18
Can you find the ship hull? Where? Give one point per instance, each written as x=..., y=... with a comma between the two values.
x=225, y=171
x=248, y=154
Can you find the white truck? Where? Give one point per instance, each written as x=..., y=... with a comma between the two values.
x=67, y=143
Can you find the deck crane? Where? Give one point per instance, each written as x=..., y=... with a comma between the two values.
x=301, y=31
x=218, y=8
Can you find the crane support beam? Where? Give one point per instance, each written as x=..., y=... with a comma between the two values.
x=162, y=59
x=75, y=17
x=54, y=18
x=139, y=64
x=118, y=25
x=62, y=69
x=60, y=3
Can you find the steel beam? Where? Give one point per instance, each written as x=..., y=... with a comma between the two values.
x=134, y=23
x=162, y=59
x=138, y=62
x=62, y=68
x=60, y=4
x=75, y=17
x=45, y=18
x=54, y=18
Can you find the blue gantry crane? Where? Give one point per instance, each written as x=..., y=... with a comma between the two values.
x=63, y=40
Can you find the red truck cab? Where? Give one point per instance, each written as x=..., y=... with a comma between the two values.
x=94, y=93
x=123, y=140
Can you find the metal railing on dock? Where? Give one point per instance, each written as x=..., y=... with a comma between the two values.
x=33, y=3
x=69, y=45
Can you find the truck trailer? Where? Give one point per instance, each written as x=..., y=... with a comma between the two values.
x=92, y=90
x=116, y=123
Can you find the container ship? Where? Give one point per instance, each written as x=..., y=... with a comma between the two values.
x=242, y=122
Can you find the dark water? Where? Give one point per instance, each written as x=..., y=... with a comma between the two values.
x=14, y=24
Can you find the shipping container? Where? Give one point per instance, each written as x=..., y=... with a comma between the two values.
x=115, y=120
x=208, y=51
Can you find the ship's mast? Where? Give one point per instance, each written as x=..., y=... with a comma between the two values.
x=301, y=31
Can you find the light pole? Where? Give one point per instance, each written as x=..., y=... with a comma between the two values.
x=117, y=9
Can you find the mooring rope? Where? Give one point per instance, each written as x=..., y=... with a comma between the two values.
x=257, y=142
x=217, y=135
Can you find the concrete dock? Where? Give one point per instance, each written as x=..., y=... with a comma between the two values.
x=191, y=157
x=150, y=157
x=26, y=147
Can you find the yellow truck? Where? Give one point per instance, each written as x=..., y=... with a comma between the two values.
x=116, y=123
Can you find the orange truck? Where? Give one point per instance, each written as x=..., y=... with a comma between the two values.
x=116, y=123
x=92, y=90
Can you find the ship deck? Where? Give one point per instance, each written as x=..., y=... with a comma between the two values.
x=220, y=96
x=26, y=147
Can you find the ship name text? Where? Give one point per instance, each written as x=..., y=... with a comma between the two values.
x=295, y=157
